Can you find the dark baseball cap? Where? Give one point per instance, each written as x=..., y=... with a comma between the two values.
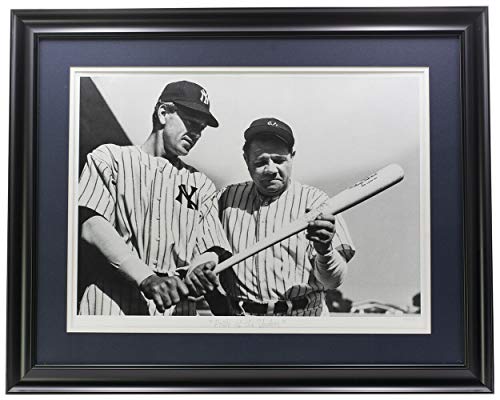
x=270, y=126
x=189, y=95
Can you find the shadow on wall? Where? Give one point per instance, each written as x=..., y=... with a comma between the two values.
x=98, y=125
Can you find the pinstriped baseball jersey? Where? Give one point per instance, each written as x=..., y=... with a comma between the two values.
x=166, y=212
x=283, y=271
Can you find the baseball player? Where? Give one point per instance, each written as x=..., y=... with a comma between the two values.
x=291, y=277
x=152, y=217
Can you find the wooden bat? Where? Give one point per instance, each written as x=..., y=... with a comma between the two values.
x=359, y=192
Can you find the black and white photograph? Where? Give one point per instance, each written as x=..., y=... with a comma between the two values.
x=249, y=200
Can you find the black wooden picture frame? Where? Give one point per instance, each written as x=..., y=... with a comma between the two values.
x=469, y=25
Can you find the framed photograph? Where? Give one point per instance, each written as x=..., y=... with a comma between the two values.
x=285, y=273
x=309, y=188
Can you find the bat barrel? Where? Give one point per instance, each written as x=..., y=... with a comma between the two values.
x=364, y=189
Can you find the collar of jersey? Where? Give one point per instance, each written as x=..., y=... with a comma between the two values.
x=177, y=163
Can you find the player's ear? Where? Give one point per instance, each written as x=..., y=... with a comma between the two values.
x=161, y=113
x=247, y=162
x=292, y=154
x=163, y=110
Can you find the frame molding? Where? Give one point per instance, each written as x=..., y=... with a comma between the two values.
x=29, y=26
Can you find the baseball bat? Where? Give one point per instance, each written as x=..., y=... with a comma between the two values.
x=357, y=193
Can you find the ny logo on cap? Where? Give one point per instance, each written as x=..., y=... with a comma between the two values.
x=204, y=96
x=273, y=123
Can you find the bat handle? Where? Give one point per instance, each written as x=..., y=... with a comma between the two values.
x=295, y=227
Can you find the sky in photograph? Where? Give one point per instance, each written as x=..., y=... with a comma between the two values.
x=347, y=124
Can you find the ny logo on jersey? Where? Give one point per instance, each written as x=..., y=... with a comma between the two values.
x=204, y=96
x=183, y=193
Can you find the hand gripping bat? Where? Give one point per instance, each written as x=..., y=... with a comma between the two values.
x=359, y=192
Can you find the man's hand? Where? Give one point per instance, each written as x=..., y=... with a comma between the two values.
x=164, y=291
x=321, y=232
x=201, y=279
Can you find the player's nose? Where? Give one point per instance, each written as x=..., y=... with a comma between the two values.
x=271, y=168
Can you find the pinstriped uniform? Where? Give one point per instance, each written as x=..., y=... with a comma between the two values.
x=167, y=213
x=283, y=271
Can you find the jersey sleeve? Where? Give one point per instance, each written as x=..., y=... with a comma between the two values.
x=342, y=241
x=97, y=184
x=211, y=234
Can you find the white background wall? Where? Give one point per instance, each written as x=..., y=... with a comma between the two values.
x=31, y=4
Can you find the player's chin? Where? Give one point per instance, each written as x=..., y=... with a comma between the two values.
x=274, y=189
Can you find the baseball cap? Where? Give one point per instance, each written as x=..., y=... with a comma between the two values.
x=189, y=95
x=270, y=126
